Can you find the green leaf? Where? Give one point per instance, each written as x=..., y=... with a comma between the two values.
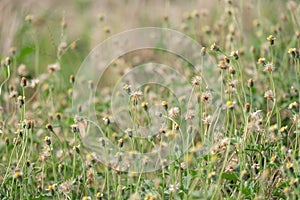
x=231, y=177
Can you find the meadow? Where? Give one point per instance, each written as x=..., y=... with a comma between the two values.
x=214, y=115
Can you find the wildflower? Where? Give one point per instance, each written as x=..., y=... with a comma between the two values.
x=256, y=23
x=106, y=29
x=86, y=198
x=233, y=85
x=293, y=181
x=58, y=116
x=196, y=81
x=195, y=14
x=29, y=124
x=211, y=175
x=207, y=120
x=273, y=158
x=250, y=83
x=235, y=54
x=283, y=129
x=269, y=67
x=53, y=67
x=149, y=196
x=289, y=165
x=99, y=195
x=120, y=142
x=229, y=104
x=127, y=88
x=293, y=52
x=165, y=105
x=269, y=95
x=271, y=39
x=136, y=96
x=21, y=101
x=203, y=51
x=72, y=79
x=174, y=112
x=129, y=132
x=247, y=107
x=145, y=106
x=214, y=47
x=222, y=64
x=206, y=97
x=76, y=148
x=23, y=82
x=6, y=140
x=29, y=18
x=49, y=127
x=106, y=120
x=189, y=115
x=294, y=105
x=66, y=187
x=12, y=51
x=73, y=45
x=101, y=17
x=18, y=174
x=102, y=141
x=231, y=70
x=47, y=139
x=75, y=128
x=261, y=61
x=51, y=188
x=90, y=84
x=291, y=5
x=173, y=188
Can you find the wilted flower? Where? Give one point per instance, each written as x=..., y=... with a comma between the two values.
x=269, y=67
x=53, y=67
x=269, y=95
x=196, y=81
x=136, y=96
x=174, y=112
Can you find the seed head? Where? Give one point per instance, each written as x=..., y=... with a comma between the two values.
x=174, y=112
x=269, y=67
x=196, y=81
x=136, y=96
x=269, y=95
x=206, y=97
x=223, y=65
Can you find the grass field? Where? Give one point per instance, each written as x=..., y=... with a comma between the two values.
x=225, y=116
